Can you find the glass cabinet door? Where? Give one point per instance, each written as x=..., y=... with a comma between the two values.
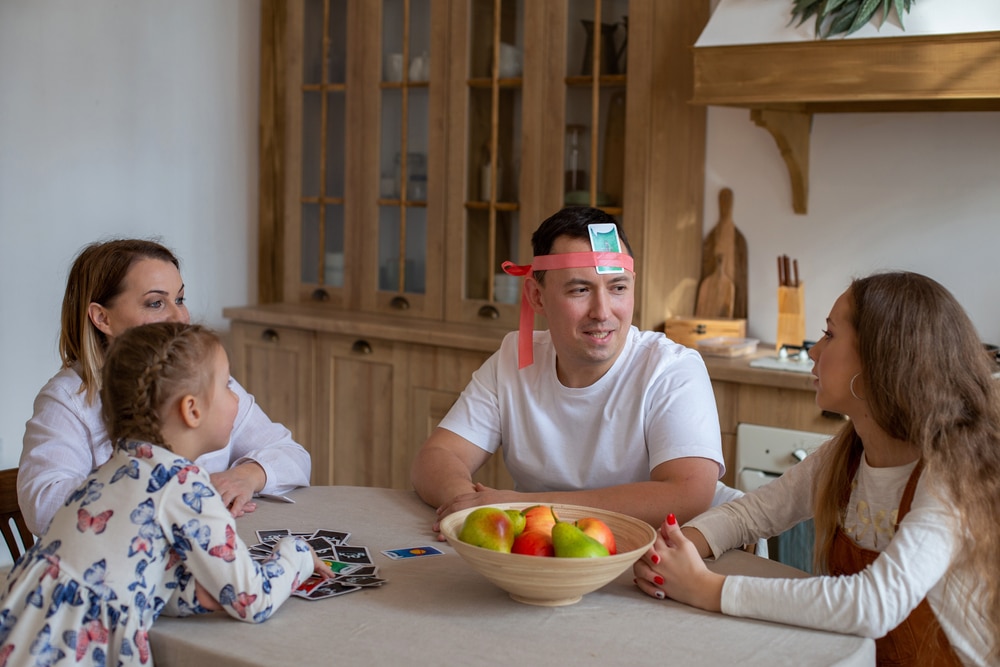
x=322, y=98
x=402, y=225
x=492, y=76
x=596, y=75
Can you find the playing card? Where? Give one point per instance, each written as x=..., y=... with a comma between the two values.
x=412, y=552
x=335, y=536
x=271, y=536
x=357, y=580
x=352, y=554
x=322, y=546
x=344, y=568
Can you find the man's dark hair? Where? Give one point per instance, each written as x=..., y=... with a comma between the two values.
x=571, y=222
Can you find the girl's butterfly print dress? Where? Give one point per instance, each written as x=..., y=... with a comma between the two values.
x=129, y=544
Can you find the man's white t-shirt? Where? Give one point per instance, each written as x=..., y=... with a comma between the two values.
x=653, y=405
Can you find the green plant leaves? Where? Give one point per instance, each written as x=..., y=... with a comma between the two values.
x=834, y=17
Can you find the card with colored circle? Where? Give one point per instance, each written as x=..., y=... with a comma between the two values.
x=412, y=552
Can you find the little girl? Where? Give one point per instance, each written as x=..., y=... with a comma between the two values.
x=905, y=499
x=146, y=532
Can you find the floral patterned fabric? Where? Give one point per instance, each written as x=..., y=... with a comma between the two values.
x=129, y=544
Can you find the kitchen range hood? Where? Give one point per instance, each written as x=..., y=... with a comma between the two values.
x=785, y=83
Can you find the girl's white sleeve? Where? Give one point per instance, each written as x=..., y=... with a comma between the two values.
x=869, y=603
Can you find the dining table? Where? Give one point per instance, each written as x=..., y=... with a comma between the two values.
x=438, y=610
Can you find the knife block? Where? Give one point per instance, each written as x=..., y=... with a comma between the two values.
x=791, y=316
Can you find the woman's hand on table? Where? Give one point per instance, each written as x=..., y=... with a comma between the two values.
x=673, y=568
x=483, y=495
x=237, y=486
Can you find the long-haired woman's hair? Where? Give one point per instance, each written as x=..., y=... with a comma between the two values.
x=97, y=276
x=148, y=367
x=927, y=381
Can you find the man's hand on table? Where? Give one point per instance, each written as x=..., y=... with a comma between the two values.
x=483, y=495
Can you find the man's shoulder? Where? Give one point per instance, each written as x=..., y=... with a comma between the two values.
x=656, y=343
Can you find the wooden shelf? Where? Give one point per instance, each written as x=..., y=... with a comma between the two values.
x=785, y=84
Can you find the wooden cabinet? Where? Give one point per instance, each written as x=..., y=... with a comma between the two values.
x=408, y=147
x=411, y=146
x=275, y=364
x=746, y=395
x=360, y=392
x=361, y=399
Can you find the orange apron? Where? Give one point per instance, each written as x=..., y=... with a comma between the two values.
x=918, y=640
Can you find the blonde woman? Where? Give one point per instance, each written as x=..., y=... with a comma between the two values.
x=113, y=286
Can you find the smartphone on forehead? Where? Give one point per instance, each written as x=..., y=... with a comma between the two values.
x=604, y=238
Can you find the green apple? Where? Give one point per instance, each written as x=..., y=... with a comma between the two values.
x=488, y=527
x=533, y=543
x=517, y=519
x=599, y=531
x=568, y=541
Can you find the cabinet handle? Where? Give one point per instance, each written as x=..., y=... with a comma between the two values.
x=400, y=303
x=320, y=294
x=361, y=347
x=269, y=336
x=489, y=312
x=700, y=329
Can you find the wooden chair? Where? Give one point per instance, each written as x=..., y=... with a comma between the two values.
x=10, y=516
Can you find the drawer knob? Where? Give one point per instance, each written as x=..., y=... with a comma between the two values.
x=489, y=312
x=400, y=303
x=361, y=347
x=269, y=336
x=700, y=329
x=320, y=294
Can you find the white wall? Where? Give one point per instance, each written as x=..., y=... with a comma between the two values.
x=914, y=191
x=120, y=119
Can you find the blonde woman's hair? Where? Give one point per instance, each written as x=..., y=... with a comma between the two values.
x=927, y=381
x=97, y=276
x=148, y=367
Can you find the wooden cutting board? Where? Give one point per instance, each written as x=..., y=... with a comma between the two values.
x=726, y=244
x=716, y=293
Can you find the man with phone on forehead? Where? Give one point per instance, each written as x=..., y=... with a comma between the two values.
x=592, y=411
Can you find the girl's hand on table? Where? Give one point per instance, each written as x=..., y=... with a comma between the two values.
x=673, y=568
x=320, y=567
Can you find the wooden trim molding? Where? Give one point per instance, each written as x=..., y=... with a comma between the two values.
x=784, y=84
x=271, y=152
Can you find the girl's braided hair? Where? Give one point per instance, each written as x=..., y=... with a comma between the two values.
x=146, y=368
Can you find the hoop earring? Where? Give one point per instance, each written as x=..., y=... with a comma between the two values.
x=852, y=387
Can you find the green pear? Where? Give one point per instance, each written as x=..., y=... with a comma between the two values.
x=568, y=541
x=518, y=520
x=488, y=527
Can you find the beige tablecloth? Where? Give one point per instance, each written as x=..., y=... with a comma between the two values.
x=437, y=610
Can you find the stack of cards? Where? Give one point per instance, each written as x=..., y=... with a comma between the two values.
x=352, y=564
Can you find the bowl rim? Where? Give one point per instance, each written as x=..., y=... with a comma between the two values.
x=451, y=524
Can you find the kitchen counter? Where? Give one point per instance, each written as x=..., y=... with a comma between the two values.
x=738, y=369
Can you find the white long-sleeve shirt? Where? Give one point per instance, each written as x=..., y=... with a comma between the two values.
x=66, y=439
x=911, y=566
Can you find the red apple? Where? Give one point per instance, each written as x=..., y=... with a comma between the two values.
x=598, y=530
x=533, y=543
x=539, y=517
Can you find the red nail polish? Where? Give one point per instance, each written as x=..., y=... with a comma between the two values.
x=671, y=519
x=656, y=559
x=658, y=580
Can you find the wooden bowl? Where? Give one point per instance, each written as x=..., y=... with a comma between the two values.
x=553, y=581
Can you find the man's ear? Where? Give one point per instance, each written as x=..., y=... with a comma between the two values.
x=534, y=293
x=98, y=315
x=190, y=411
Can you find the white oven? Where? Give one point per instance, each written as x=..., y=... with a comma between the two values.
x=763, y=453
